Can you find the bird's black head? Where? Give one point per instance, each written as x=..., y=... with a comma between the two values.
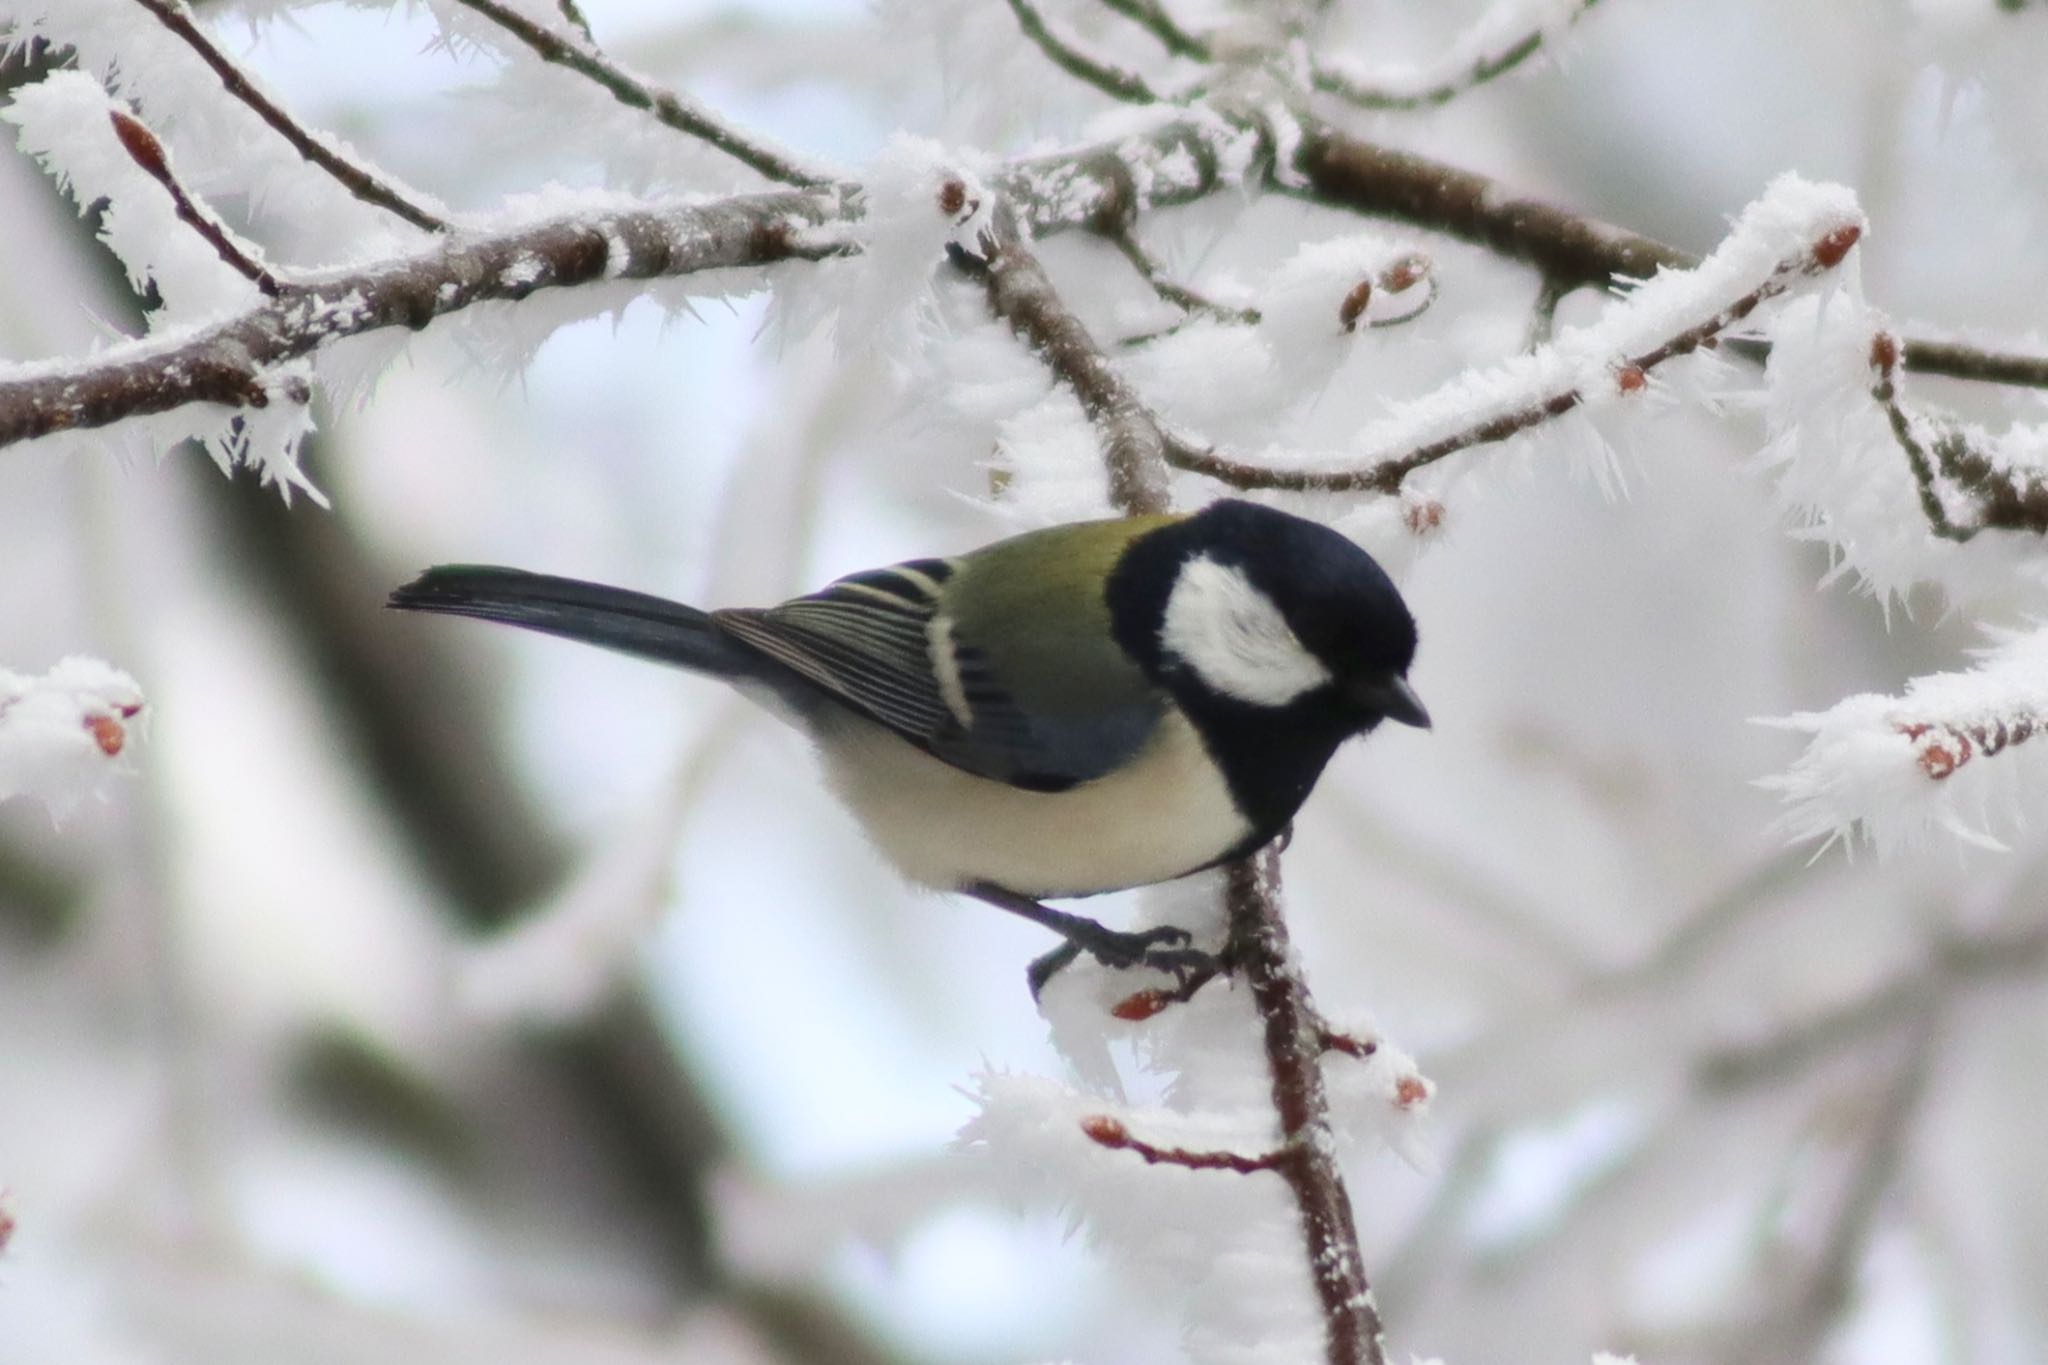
x=1278, y=636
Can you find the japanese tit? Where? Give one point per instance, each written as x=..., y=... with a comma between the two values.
x=1075, y=710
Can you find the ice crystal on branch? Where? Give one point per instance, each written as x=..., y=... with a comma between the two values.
x=1899, y=494
x=61, y=733
x=67, y=123
x=1953, y=753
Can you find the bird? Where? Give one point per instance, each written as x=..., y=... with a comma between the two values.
x=1075, y=710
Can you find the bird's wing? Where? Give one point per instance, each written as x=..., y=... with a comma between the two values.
x=884, y=643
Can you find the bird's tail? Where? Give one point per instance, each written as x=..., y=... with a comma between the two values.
x=631, y=622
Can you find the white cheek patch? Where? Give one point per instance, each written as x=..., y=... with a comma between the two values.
x=1234, y=637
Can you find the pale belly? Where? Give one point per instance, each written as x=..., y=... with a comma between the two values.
x=1163, y=816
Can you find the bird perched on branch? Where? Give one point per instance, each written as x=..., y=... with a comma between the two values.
x=1082, y=709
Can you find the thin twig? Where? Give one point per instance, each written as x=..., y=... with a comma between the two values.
x=359, y=181
x=226, y=362
x=1952, y=963
x=1153, y=17
x=636, y=92
x=573, y=12
x=1173, y=292
x=1386, y=474
x=148, y=153
x=2004, y=499
x=1954, y=360
x=1066, y=54
x=1369, y=92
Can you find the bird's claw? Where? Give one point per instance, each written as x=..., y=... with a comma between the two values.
x=1166, y=948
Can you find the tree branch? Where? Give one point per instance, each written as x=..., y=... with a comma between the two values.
x=225, y=362
x=1153, y=17
x=148, y=153
x=1132, y=444
x=1570, y=250
x=636, y=92
x=1066, y=54
x=1383, y=90
x=359, y=181
x=2000, y=497
x=1294, y=1044
x=1545, y=399
x=1168, y=289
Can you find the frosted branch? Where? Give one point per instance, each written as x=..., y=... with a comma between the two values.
x=1570, y=250
x=1133, y=445
x=637, y=92
x=1294, y=1043
x=360, y=181
x=1186, y=155
x=148, y=153
x=1969, y=480
x=1501, y=40
x=226, y=363
x=1796, y=233
x=1897, y=767
x=61, y=733
x=1064, y=51
x=1157, y=20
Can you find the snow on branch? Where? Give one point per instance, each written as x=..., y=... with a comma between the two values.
x=61, y=733
x=98, y=152
x=228, y=129
x=1797, y=233
x=1952, y=754
x=1900, y=494
x=230, y=363
x=148, y=153
x=1970, y=480
x=1499, y=41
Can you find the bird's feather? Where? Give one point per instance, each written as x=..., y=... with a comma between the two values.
x=1000, y=663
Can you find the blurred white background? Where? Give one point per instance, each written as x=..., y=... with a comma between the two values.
x=428, y=992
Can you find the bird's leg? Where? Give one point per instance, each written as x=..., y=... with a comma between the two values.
x=1165, y=947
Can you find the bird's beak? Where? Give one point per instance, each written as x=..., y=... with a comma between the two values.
x=1392, y=697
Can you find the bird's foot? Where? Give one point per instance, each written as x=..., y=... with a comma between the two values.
x=1166, y=948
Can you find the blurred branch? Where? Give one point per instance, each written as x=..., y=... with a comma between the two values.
x=1811, y=1305
x=1385, y=90
x=1067, y=54
x=1952, y=963
x=1155, y=19
x=359, y=180
x=636, y=92
x=38, y=901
